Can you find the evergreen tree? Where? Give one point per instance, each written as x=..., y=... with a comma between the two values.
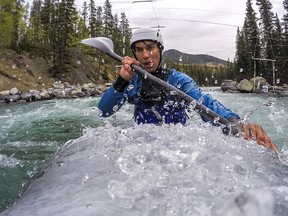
x=247, y=42
x=64, y=30
x=85, y=13
x=82, y=30
x=117, y=36
x=284, y=62
x=92, y=19
x=108, y=20
x=48, y=23
x=35, y=30
x=23, y=40
x=279, y=49
x=17, y=21
x=252, y=38
x=99, y=22
x=241, y=56
x=6, y=22
x=266, y=28
x=126, y=34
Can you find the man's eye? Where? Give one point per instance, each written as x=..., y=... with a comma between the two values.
x=150, y=47
x=138, y=50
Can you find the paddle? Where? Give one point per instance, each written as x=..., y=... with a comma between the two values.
x=106, y=45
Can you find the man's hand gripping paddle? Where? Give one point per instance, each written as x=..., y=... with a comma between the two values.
x=106, y=45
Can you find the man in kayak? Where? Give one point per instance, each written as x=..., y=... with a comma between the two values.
x=152, y=103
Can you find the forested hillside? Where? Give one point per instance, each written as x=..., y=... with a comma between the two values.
x=51, y=31
x=186, y=58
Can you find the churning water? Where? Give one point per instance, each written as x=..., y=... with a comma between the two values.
x=69, y=161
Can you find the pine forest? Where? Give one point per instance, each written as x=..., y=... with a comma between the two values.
x=52, y=29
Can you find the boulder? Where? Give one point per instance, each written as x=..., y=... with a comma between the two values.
x=59, y=93
x=258, y=83
x=12, y=98
x=245, y=86
x=85, y=88
x=58, y=85
x=44, y=94
x=14, y=91
x=26, y=96
x=94, y=92
x=76, y=94
x=3, y=94
x=229, y=85
x=283, y=93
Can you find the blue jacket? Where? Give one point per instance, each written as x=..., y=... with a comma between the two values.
x=170, y=112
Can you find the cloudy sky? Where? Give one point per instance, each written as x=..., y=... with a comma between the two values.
x=190, y=26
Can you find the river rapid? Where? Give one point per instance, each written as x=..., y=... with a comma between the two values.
x=58, y=157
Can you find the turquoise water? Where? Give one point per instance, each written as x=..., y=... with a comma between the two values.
x=31, y=133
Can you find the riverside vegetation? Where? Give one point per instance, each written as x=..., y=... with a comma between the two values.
x=51, y=63
x=26, y=78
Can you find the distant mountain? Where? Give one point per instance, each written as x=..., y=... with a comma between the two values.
x=185, y=58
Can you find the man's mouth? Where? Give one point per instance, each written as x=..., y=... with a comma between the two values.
x=148, y=63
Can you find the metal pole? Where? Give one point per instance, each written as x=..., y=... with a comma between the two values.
x=254, y=74
x=273, y=69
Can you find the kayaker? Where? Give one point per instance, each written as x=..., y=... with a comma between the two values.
x=152, y=103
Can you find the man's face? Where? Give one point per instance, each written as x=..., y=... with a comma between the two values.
x=148, y=54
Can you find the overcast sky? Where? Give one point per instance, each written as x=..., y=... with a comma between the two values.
x=190, y=26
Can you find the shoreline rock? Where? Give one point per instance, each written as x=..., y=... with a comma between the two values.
x=66, y=90
x=59, y=91
x=254, y=85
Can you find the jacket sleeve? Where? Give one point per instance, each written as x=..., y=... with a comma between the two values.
x=111, y=101
x=190, y=87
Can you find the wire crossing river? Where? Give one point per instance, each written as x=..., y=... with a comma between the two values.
x=59, y=157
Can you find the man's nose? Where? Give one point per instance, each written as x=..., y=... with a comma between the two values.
x=146, y=53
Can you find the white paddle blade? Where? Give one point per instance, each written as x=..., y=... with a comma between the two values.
x=102, y=43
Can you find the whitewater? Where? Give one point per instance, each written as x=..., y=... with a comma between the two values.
x=114, y=167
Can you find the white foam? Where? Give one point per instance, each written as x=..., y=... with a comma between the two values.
x=152, y=170
x=8, y=161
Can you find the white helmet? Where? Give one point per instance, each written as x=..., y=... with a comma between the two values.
x=147, y=34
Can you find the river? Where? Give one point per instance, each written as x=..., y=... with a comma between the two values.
x=69, y=161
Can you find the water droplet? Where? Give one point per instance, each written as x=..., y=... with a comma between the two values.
x=200, y=101
x=216, y=120
x=172, y=92
x=115, y=108
x=89, y=206
x=193, y=105
x=130, y=87
x=85, y=179
x=100, y=113
x=270, y=102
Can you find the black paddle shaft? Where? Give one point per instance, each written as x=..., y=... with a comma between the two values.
x=203, y=110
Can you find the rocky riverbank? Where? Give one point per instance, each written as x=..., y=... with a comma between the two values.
x=28, y=77
x=58, y=91
x=254, y=85
x=65, y=90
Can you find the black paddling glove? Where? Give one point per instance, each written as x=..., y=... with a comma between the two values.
x=120, y=84
x=231, y=128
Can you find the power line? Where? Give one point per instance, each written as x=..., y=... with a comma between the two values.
x=195, y=9
x=190, y=20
